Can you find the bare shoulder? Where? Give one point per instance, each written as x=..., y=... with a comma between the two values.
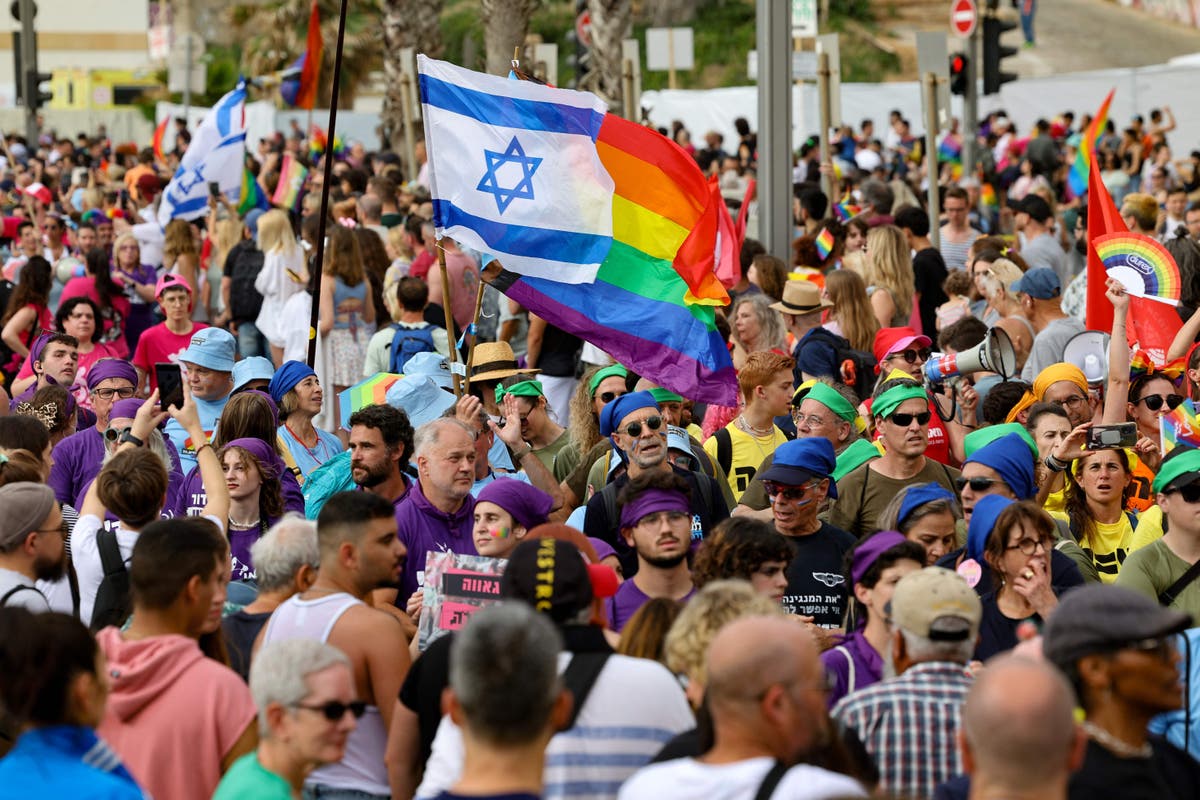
x=360, y=621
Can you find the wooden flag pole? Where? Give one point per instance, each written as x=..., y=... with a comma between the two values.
x=314, y=317
x=447, y=307
x=474, y=330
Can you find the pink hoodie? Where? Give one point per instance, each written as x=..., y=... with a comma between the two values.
x=172, y=713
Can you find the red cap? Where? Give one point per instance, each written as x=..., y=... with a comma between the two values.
x=896, y=340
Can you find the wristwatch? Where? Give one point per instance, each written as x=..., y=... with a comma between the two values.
x=129, y=437
x=518, y=457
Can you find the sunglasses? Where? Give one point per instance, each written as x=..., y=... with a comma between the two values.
x=112, y=435
x=904, y=420
x=913, y=356
x=1162, y=647
x=976, y=484
x=791, y=493
x=634, y=429
x=608, y=397
x=334, y=710
x=1155, y=401
x=1190, y=493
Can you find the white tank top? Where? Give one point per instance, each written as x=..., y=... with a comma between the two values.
x=361, y=768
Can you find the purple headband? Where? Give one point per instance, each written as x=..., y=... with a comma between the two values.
x=107, y=368
x=529, y=505
x=650, y=501
x=39, y=344
x=262, y=451
x=870, y=550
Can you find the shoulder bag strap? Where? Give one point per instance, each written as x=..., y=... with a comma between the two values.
x=1173, y=591
x=771, y=781
x=580, y=676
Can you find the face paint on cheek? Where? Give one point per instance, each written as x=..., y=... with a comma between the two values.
x=500, y=532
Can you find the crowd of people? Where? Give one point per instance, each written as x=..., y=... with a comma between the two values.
x=221, y=574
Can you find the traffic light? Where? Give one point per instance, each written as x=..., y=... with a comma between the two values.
x=994, y=53
x=958, y=73
x=35, y=95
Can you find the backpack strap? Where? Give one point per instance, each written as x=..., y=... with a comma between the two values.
x=724, y=449
x=19, y=588
x=851, y=676
x=1168, y=595
x=770, y=781
x=580, y=677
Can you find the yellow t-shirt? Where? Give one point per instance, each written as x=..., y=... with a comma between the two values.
x=1107, y=546
x=746, y=454
x=1149, y=528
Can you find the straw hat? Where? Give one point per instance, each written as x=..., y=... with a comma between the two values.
x=801, y=297
x=493, y=361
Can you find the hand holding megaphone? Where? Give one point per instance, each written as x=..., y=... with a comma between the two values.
x=994, y=354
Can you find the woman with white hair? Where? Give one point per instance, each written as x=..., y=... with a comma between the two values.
x=307, y=707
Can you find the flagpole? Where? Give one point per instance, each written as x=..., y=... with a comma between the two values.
x=447, y=307
x=314, y=318
x=475, y=329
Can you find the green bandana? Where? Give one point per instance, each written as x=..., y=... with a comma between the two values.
x=891, y=399
x=986, y=435
x=522, y=389
x=1176, y=467
x=853, y=457
x=665, y=396
x=613, y=370
x=827, y=396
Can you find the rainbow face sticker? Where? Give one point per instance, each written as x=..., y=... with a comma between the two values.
x=500, y=531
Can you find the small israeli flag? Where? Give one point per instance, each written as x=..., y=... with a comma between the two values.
x=514, y=171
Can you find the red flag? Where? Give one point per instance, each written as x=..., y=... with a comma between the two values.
x=728, y=258
x=1102, y=218
x=306, y=96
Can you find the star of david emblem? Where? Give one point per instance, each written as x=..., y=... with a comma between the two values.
x=490, y=182
x=188, y=181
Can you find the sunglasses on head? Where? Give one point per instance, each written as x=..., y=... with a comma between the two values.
x=608, y=397
x=334, y=710
x=634, y=429
x=976, y=484
x=913, y=356
x=1155, y=401
x=904, y=420
x=112, y=435
x=1189, y=492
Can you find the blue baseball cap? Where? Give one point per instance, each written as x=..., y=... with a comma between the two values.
x=1040, y=283
x=254, y=368
x=800, y=460
x=211, y=348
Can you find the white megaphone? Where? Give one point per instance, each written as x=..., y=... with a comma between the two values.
x=1089, y=351
x=994, y=354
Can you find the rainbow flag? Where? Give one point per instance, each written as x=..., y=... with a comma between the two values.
x=318, y=141
x=156, y=142
x=291, y=183
x=988, y=198
x=824, y=243
x=950, y=149
x=252, y=196
x=300, y=90
x=1078, y=177
x=845, y=210
x=1180, y=427
x=641, y=309
x=367, y=392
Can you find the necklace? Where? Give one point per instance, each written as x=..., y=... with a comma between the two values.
x=1110, y=742
x=253, y=524
x=753, y=431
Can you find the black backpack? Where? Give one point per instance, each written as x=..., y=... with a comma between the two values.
x=113, y=603
x=406, y=343
x=242, y=266
x=856, y=369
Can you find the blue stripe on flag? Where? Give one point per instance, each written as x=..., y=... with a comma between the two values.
x=510, y=112
x=190, y=205
x=225, y=110
x=521, y=240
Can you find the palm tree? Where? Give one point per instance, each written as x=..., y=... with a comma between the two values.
x=505, y=24
x=272, y=35
x=406, y=23
x=612, y=22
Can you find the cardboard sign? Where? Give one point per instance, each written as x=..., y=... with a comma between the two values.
x=455, y=587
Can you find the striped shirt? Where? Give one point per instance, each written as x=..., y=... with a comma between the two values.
x=909, y=724
x=955, y=253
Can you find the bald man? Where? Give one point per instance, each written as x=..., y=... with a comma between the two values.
x=767, y=699
x=1018, y=736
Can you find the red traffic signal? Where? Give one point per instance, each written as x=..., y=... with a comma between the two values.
x=958, y=74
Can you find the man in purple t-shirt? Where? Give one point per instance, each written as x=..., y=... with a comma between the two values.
x=438, y=512
x=656, y=521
